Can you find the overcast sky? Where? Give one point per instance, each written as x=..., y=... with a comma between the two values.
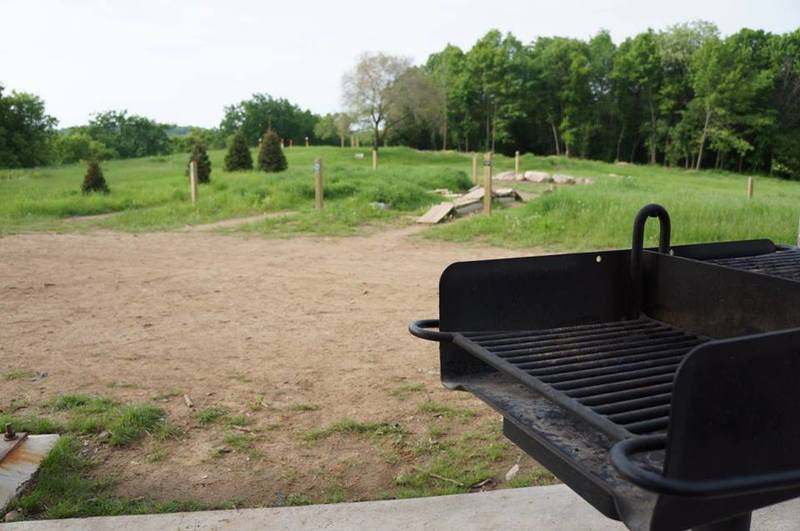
x=182, y=62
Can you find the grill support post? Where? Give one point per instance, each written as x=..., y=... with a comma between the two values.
x=737, y=523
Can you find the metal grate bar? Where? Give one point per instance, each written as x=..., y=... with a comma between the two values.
x=619, y=375
x=605, y=359
x=592, y=346
x=784, y=264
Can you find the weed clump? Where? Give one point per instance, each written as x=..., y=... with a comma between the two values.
x=270, y=154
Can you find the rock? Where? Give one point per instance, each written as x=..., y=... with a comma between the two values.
x=505, y=176
x=359, y=155
x=13, y=516
x=538, y=177
x=104, y=435
x=512, y=472
x=563, y=179
x=584, y=180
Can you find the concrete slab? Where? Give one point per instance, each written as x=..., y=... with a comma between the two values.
x=554, y=508
x=19, y=466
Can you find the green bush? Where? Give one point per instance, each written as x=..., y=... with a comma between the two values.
x=200, y=156
x=270, y=155
x=238, y=157
x=94, y=181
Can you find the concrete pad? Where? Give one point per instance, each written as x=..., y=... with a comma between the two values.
x=19, y=466
x=554, y=508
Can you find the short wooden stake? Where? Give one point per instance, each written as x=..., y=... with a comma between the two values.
x=374, y=159
x=318, y=183
x=475, y=169
x=306, y=141
x=749, y=188
x=516, y=164
x=193, y=180
x=487, y=183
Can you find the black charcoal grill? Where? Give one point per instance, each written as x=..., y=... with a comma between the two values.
x=659, y=384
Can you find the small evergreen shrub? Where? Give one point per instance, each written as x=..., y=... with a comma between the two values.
x=94, y=181
x=200, y=156
x=270, y=155
x=238, y=157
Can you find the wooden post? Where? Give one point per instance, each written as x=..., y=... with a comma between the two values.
x=516, y=164
x=487, y=183
x=749, y=188
x=306, y=141
x=318, y=194
x=193, y=180
x=281, y=143
x=374, y=159
x=291, y=142
x=352, y=141
x=474, y=169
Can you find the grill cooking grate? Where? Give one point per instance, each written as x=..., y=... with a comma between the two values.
x=784, y=264
x=621, y=371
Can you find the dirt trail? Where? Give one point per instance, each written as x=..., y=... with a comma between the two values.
x=233, y=321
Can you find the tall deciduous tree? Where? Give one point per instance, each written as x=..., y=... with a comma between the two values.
x=368, y=93
x=26, y=130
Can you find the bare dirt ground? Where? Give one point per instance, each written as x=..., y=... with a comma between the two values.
x=268, y=328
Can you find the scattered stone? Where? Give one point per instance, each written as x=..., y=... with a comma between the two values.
x=359, y=155
x=188, y=400
x=512, y=472
x=538, y=177
x=563, y=179
x=104, y=435
x=505, y=176
x=13, y=516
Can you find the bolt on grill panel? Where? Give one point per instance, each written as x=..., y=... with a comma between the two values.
x=783, y=264
x=617, y=375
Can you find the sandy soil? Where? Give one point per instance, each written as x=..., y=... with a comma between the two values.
x=257, y=325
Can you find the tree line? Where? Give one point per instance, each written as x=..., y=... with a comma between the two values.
x=682, y=96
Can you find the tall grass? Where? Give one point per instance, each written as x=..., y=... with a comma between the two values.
x=152, y=193
x=704, y=206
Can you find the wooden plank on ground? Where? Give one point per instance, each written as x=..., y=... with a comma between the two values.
x=437, y=213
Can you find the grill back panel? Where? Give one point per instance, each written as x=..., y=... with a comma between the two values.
x=715, y=301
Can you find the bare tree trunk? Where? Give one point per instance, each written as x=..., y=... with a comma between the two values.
x=555, y=139
x=444, y=127
x=341, y=140
x=703, y=139
x=619, y=141
x=741, y=162
x=633, y=147
x=653, y=138
x=494, y=130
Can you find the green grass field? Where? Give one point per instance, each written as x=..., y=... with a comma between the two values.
x=152, y=194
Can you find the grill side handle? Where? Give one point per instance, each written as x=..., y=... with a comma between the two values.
x=637, y=247
x=422, y=329
x=623, y=452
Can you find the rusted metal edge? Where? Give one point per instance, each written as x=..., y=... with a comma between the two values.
x=6, y=447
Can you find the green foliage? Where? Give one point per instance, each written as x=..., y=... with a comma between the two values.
x=77, y=145
x=238, y=157
x=26, y=130
x=212, y=414
x=129, y=135
x=200, y=156
x=263, y=112
x=270, y=154
x=94, y=181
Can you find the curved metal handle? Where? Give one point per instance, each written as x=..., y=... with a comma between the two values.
x=711, y=488
x=421, y=329
x=637, y=246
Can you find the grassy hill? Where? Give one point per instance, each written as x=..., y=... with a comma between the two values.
x=153, y=194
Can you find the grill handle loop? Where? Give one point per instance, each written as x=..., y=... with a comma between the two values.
x=711, y=488
x=422, y=330
x=637, y=247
